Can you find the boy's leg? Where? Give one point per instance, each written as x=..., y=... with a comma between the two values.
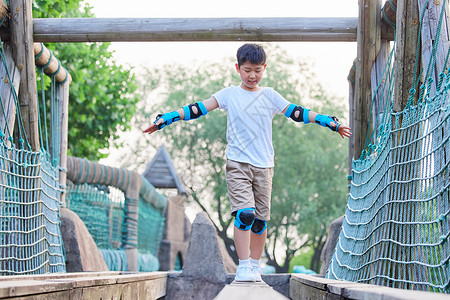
x=257, y=242
x=242, y=205
x=262, y=188
x=242, y=242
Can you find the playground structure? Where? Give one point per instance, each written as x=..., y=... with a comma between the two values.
x=396, y=228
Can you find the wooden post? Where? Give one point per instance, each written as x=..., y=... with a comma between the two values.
x=7, y=120
x=407, y=30
x=368, y=39
x=351, y=109
x=64, y=125
x=22, y=43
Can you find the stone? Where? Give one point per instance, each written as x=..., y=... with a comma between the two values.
x=204, y=259
x=204, y=274
x=81, y=251
x=328, y=249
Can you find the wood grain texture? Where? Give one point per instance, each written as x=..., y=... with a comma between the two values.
x=194, y=29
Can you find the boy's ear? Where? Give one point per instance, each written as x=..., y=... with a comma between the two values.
x=237, y=67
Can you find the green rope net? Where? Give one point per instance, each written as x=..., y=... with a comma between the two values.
x=103, y=211
x=397, y=222
x=30, y=234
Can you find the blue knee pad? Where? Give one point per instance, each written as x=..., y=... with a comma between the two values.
x=259, y=226
x=245, y=218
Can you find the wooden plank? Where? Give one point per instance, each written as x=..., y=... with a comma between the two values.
x=249, y=291
x=6, y=93
x=22, y=44
x=369, y=38
x=106, y=285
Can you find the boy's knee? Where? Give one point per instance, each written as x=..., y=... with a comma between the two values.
x=259, y=226
x=245, y=218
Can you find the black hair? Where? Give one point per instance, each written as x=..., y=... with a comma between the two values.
x=252, y=53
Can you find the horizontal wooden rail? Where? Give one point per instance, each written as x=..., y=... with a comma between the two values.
x=195, y=29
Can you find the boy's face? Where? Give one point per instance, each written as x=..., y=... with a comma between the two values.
x=251, y=75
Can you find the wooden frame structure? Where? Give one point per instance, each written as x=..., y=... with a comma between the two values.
x=368, y=30
x=197, y=29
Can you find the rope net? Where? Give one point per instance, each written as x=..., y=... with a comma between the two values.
x=397, y=225
x=30, y=234
x=103, y=209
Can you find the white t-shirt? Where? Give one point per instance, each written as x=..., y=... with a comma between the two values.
x=249, y=123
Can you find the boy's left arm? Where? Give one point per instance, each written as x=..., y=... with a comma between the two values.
x=300, y=114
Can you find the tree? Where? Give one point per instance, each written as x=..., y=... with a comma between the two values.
x=102, y=92
x=309, y=184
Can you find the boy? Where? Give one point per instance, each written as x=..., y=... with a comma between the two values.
x=250, y=155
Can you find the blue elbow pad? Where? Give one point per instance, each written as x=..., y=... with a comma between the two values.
x=168, y=118
x=189, y=113
x=325, y=121
x=303, y=115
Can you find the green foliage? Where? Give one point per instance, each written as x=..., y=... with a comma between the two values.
x=309, y=184
x=102, y=92
x=303, y=259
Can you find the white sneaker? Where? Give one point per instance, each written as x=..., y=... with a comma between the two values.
x=245, y=273
x=257, y=272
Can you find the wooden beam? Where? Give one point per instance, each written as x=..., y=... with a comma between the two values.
x=369, y=39
x=194, y=29
x=197, y=29
x=22, y=44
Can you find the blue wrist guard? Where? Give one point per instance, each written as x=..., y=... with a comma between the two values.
x=168, y=118
x=189, y=113
x=302, y=115
x=325, y=121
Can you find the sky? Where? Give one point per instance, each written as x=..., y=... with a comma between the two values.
x=332, y=60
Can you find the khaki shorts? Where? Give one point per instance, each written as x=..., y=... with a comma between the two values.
x=249, y=186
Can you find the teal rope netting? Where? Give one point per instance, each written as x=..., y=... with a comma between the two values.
x=103, y=210
x=30, y=234
x=397, y=223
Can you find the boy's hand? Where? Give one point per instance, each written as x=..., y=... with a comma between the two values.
x=154, y=126
x=163, y=120
x=344, y=131
x=151, y=129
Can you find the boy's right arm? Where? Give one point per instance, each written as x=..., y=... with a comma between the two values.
x=187, y=112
